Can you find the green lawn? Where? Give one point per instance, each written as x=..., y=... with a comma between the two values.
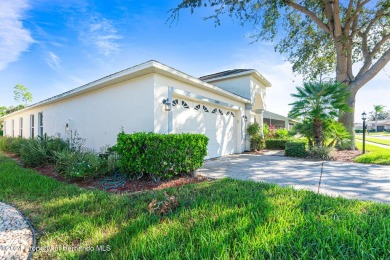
x=224, y=219
x=376, y=140
x=375, y=154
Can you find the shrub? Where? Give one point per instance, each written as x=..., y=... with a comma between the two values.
x=160, y=155
x=253, y=129
x=14, y=144
x=320, y=153
x=256, y=142
x=81, y=164
x=358, y=131
x=40, y=151
x=296, y=149
x=281, y=133
x=275, y=143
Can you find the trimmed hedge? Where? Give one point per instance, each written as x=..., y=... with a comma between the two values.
x=160, y=155
x=296, y=149
x=275, y=143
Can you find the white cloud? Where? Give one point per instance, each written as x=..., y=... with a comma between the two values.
x=14, y=38
x=53, y=61
x=100, y=33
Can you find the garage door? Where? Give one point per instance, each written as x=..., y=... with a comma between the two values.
x=217, y=123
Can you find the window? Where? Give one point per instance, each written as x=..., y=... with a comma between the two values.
x=32, y=126
x=21, y=127
x=184, y=104
x=40, y=124
x=5, y=128
x=13, y=128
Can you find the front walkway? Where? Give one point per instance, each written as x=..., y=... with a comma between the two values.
x=349, y=180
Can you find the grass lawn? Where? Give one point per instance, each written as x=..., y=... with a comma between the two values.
x=225, y=219
x=375, y=154
x=376, y=140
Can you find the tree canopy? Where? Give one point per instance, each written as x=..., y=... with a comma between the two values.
x=22, y=94
x=346, y=38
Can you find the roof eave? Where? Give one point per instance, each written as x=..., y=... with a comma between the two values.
x=130, y=73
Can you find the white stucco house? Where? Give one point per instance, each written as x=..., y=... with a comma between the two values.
x=151, y=97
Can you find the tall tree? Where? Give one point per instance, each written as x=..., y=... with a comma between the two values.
x=22, y=95
x=348, y=38
x=318, y=102
x=384, y=115
x=377, y=109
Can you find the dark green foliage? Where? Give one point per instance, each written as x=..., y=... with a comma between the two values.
x=318, y=103
x=256, y=142
x=13, y=145
x=82, y=164
x=253, y=129
x=275, y=143
x=320, y=153
x=296, y=149
x=160, y=155
x=40, y=151
x=1, y=133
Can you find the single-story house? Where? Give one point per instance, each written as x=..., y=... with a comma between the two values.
x=383, y=125
x=151, y=97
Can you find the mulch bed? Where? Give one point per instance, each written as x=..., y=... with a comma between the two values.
x=346, y=155
x=131, y=186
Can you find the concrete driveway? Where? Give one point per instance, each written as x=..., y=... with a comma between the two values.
x=349, y=180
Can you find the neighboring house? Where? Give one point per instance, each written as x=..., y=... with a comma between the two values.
x=151, y=97
x=383, y=125
x=278, y=121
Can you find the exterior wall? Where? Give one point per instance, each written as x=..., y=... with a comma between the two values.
x=239, y=85
x=162, y=83
x=98, y=116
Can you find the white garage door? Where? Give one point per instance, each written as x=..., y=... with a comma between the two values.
x=217, y=123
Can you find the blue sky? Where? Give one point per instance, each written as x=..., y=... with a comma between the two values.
x=51, y=46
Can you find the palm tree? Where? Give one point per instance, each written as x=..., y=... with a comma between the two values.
x=377, y=109
x=317, y=102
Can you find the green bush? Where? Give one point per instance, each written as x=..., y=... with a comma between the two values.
x=256, y=142
x=358, y=131
x=13, y=145
x=81, y=164
x=160, y=155
x=275, y=143
x=320, y=153
x=253, y=129
x=296, y=149
x=40, y=151
x=281, y=133
x=1, y=133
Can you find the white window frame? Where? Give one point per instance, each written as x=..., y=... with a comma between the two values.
x=20, y=126
x=32, y=126
x=40, y=124
x=13, y=127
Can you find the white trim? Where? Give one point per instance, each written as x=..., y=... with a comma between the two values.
x=130, y=73
x=254, y=73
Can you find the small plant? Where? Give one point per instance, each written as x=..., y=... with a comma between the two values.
x=256, y=139
x=296, y=149
x=167, y=205
x=253, y=129
x=320, y=153
x=257, y=142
